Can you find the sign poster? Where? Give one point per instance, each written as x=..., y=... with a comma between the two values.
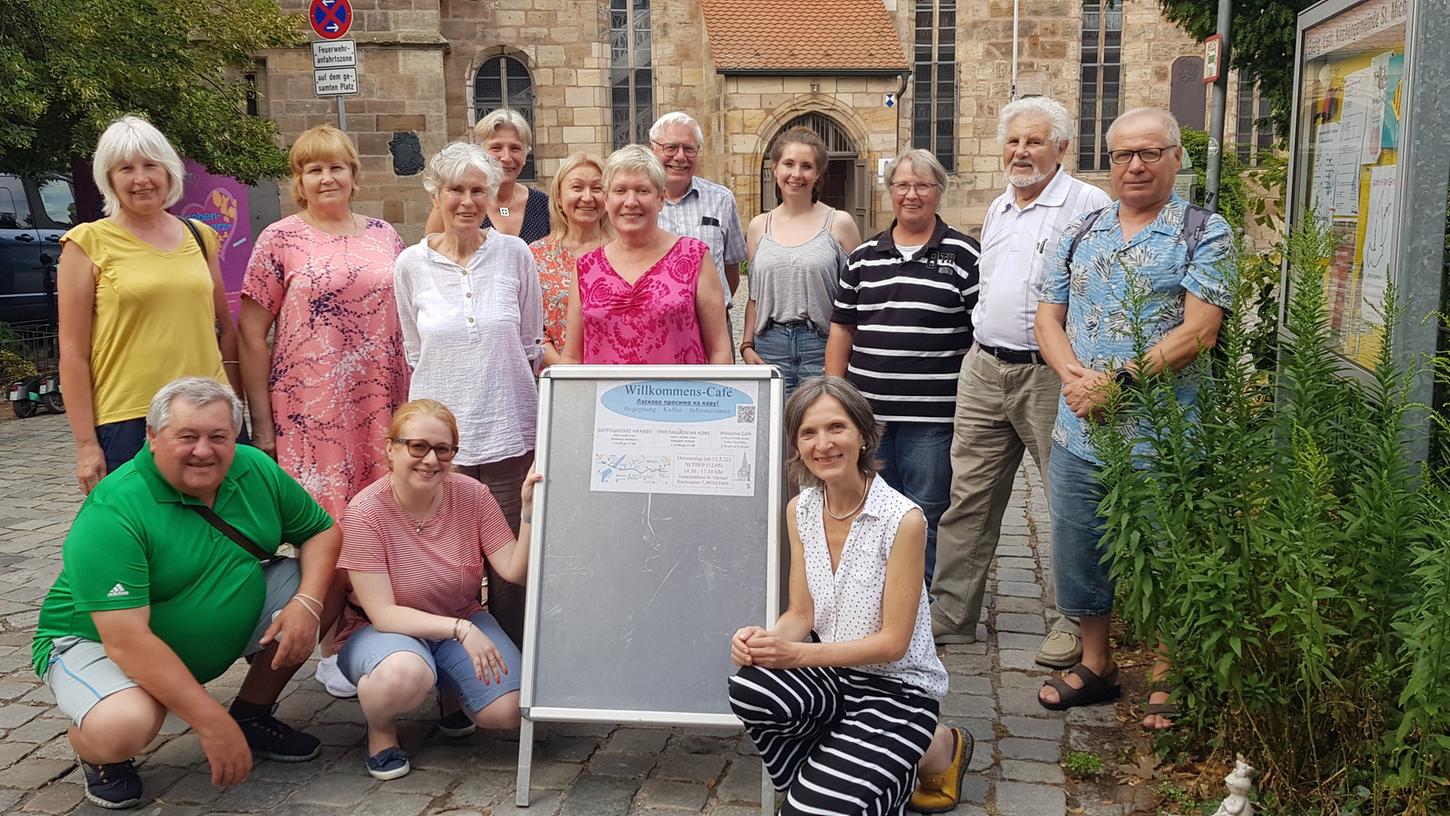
x=675, y=436
x=220, y=202
x=1347, y=159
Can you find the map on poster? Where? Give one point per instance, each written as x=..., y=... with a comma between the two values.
x=675, y=436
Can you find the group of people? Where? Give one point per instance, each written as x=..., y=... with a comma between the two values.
x=392, y=402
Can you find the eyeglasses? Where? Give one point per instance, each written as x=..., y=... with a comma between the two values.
x=1149, y=155
x=419, y=448
x=921, y=188
x=671, y=149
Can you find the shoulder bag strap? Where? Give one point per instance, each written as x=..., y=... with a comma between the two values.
x=196, y=234
x=229, y=531
x=1086, y=225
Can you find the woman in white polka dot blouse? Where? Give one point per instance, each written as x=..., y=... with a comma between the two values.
x=841, y=696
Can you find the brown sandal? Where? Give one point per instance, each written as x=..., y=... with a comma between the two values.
x=1169, y=711
x=1095, y=689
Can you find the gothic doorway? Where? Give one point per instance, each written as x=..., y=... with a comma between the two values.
x=845, y=177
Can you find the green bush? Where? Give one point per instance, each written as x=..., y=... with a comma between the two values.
x=1231, y=195
x=1293, y=564
x=13, y=367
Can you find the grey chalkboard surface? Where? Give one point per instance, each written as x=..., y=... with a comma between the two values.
x=633, y=596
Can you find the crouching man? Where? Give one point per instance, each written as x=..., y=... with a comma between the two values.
x=169, y=577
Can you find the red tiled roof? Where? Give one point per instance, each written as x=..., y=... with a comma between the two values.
x=802, y=35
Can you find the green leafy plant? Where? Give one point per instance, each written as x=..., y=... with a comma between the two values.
x=1083, y=765
x=1296, y=568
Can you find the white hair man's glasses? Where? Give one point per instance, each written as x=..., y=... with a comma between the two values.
x=1149, y=155
x=671, y=149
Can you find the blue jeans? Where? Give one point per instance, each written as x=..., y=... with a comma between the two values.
x=797, y=349
x=1084, y=581
x=451, y=665
x=916, y=459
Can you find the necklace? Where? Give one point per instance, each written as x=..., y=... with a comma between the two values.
x=417, y=525
x=503, y=211
x=864, y=490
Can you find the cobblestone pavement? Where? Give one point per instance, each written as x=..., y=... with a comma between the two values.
x=596, y=770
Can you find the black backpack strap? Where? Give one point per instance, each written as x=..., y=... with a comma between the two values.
x=1086, y=225
x=229, y=531
x=200, y=244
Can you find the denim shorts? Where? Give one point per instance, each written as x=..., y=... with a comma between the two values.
x=1084, y=580
x=451, y=665
x=797, y=349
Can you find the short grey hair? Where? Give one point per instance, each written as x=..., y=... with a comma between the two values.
x=126, y=138
x=1170, y=124
x=1057, y=117
x=456, y=158
x=676, y=118
x=198, y=391
x=501, y=119
x=921, y=160
x=634, y=158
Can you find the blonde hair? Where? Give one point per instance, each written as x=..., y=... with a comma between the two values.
x=322, y=143
x=635, y=158
x=504, y=118
x=559, y=221
x=421, y=409
x=127, y=137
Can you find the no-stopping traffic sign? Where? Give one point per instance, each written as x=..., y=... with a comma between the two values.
x=330, y=18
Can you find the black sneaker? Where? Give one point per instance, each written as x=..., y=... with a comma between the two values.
x=114, y=786
x=456, y=725
x=270, y=738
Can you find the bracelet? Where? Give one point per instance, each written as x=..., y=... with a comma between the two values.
x=308, y=597
x=308, y=608
x=458, y=625
x=230, y=362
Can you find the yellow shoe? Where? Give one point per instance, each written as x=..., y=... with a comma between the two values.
x=939, y=792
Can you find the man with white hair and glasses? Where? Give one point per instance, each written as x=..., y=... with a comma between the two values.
x=695, y=207
x=1006, y=393
x=170, y=574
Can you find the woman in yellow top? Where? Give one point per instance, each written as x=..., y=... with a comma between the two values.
x=141, y=300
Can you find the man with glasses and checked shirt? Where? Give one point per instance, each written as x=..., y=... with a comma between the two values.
x=1154, y=263
x=693, y=206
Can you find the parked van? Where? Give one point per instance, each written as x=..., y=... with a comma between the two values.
x=34, y=213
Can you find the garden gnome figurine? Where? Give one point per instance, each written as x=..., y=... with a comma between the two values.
x=1239, y=784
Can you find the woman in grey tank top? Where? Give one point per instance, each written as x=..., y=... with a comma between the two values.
x=797, y=252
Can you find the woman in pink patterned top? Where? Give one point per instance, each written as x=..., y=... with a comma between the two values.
x=648, y=297
x=320, y=399
x=577, y=200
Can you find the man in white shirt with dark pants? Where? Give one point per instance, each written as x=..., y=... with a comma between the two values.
x=1006, y=394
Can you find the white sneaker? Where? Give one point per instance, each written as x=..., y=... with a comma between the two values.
x=331, y=678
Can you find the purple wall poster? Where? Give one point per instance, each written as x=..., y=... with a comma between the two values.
x=220, y=202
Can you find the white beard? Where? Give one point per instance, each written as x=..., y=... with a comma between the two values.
x=1026, y=181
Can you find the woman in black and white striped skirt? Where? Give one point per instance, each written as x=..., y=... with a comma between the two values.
x=841, y=696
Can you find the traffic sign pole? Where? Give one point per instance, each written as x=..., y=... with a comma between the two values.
x=342, y=114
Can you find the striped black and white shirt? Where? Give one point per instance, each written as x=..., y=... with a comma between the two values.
x=912, y=320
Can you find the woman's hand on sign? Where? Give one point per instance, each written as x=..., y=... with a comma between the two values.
x=740, y=644
x=488, y=664
x=526, y=493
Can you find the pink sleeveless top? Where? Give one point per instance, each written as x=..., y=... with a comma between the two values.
x=650, y=323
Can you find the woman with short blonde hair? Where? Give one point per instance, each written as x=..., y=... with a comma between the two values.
x=513, y=209
x=141, y=300
x=580, y=226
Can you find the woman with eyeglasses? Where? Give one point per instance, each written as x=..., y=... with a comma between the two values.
x=414, y=546
x=473, y=330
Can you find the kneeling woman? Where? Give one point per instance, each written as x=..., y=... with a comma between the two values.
x=413, y=544
x=841, y=696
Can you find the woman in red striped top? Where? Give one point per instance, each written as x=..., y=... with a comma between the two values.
x=413, y=545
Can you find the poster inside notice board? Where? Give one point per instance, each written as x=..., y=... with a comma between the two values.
x=1347, y=144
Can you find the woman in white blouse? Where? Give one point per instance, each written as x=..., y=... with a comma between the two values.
x=841, y=696
x=473, y=326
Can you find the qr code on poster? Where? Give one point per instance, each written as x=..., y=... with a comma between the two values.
x=745, y=414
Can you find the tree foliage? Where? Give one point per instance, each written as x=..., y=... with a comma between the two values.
x=68, y=69
x=1261, y=43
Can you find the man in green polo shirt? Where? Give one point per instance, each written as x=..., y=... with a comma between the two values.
x=162, y=590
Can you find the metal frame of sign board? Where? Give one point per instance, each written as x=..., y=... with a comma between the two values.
x=1418, y=249
x=532, y=713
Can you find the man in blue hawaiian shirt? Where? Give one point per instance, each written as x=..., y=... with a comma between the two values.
x=1177, y=268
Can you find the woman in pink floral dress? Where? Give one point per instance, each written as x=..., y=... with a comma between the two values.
x=648, y=297
x=322, y=397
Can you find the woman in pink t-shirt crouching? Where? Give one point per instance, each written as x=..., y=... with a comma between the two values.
x=413, y=544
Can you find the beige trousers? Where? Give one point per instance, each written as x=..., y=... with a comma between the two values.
x=1002, y=410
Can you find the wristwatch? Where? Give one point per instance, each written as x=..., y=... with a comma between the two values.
x=1125, y=378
